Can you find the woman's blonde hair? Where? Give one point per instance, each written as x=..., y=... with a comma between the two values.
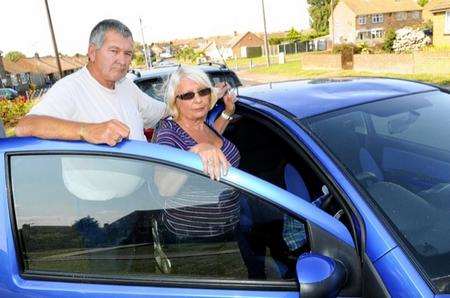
x=193, y=74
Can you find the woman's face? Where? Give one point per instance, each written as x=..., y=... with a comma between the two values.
x=195, y=108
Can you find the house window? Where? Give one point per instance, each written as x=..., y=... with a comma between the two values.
x=447, y=22
x=362, y=20
x=377, y=33
x=401, y=15
x=415, y=15
x=377, y=18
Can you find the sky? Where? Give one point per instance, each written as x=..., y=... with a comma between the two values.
x=24, y=25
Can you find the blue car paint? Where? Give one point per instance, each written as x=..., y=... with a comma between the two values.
x=330, y=94
x=274, y=194
x=400, y=277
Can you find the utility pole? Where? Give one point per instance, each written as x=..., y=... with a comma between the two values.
x=55, y=47
x=266, y=42
x=144, y=46
x=331, y=25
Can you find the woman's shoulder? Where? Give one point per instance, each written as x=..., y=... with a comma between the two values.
x=169, y=133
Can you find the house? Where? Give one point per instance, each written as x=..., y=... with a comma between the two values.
x=241, y=45
x=355, y=21
x=37, y=70
x=14, y=75
x=438, y=11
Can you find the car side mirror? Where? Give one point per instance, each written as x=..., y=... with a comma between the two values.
x=319, y=276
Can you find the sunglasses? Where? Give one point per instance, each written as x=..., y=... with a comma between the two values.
x=190, y=95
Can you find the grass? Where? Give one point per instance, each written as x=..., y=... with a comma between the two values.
x=293, y=70
x=259, y=61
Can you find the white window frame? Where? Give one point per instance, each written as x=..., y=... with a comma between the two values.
x=376, y=33
x=415, y=15
x=447, y=22
x=377, y=18
x=362, y=20
x=401, y=15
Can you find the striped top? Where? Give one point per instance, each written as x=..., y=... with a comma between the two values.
x=202, y=207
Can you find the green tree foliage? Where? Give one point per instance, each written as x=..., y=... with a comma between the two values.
x=422, y=2
x=293, y=35
x=14, y=56
x=188, y=54
x=319, y=12
x=276, y=40
x=389, y=38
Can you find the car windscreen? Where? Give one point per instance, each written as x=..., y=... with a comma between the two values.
x=398, y=151
x=153, y=87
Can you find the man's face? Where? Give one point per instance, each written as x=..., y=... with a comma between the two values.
x=112, y=59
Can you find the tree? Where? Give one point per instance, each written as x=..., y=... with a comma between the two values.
x=389, y=38
x=188, y=54
x=422, y=2
x=319, y=12
x=14, y=56
x=293, y=35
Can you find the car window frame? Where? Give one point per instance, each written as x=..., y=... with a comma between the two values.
x=157, y=281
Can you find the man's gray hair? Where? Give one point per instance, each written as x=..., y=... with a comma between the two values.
x=98, y=33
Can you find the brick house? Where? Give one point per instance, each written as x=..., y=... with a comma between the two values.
x=356, y=21
x=239, y=43
x=438, y=11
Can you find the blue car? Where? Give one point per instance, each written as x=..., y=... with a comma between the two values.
x=343, y=189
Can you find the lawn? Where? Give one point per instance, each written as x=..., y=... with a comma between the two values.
x=293, y=70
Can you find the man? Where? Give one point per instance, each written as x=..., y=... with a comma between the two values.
x=98, y=103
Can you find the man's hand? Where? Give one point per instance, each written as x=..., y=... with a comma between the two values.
x=110, y=132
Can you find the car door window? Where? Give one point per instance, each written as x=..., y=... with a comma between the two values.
x=120, y=218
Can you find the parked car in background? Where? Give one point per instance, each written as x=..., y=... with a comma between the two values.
x=344, y=191
x=152, y=81
x=8, y=93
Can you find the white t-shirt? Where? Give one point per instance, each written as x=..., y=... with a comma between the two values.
x=79, y=97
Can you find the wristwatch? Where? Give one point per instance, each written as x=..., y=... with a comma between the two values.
x=226, y=116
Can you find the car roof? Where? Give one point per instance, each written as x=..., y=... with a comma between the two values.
x=166, y=70
x=307, y=98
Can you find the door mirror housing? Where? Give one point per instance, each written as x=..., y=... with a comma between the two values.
x=319, y=275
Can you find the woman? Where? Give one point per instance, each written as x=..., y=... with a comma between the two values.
x=189, y=96
x=196, y=209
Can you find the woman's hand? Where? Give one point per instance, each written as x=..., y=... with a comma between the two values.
x=214, y=161
x=229, y=98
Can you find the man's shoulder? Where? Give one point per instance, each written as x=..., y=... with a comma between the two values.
x=70, y=80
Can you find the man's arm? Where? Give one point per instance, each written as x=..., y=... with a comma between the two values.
x=45, y=127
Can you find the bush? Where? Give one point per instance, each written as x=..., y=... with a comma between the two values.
x=12, y=110
x=389, y=39
x=408, y=40
x=338, y=49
